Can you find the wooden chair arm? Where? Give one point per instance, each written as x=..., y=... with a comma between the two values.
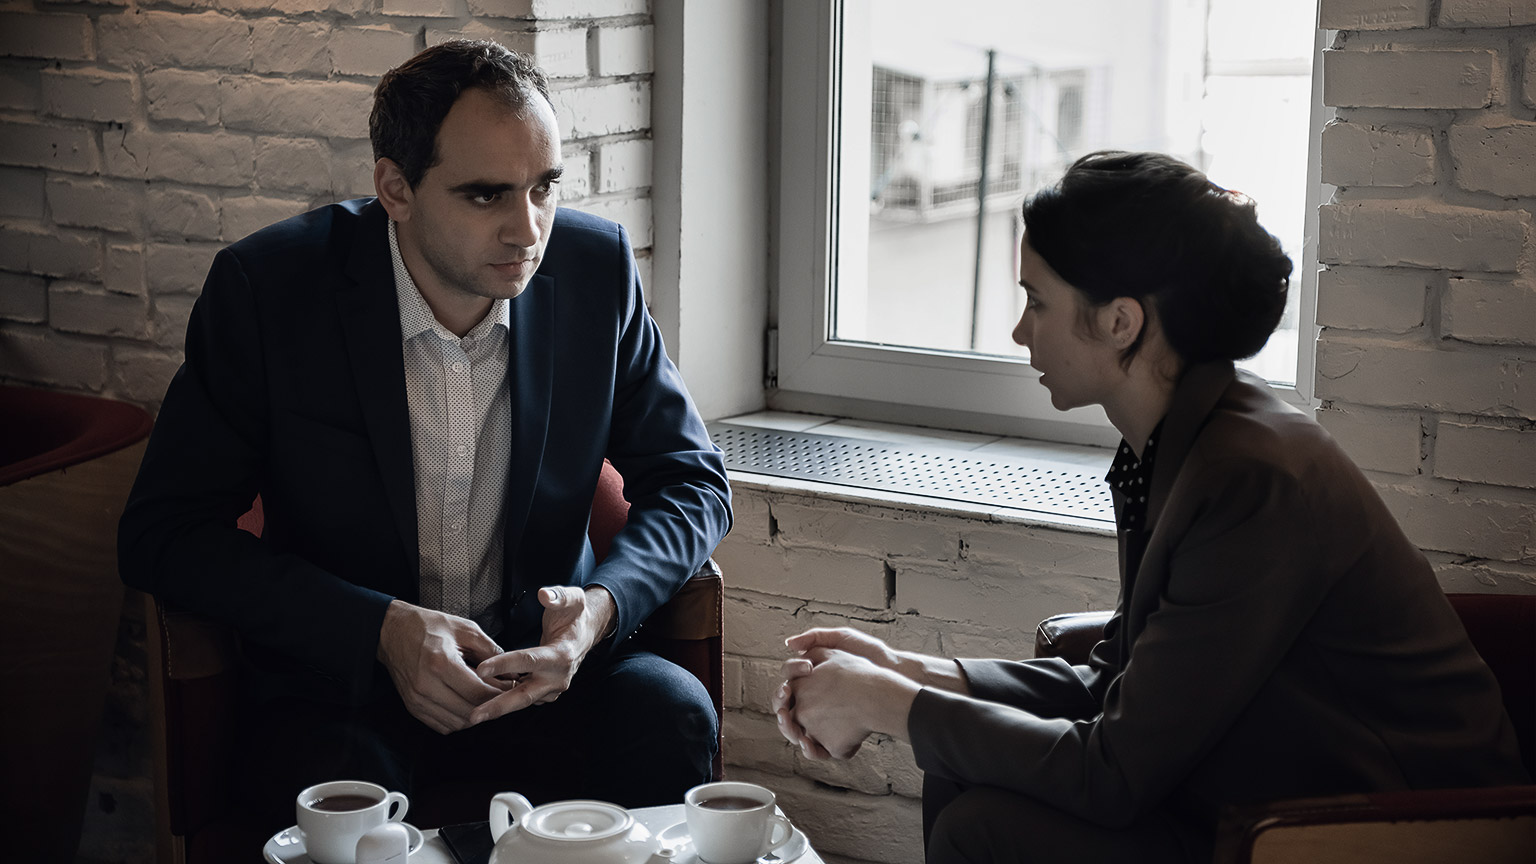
x=1490, y=825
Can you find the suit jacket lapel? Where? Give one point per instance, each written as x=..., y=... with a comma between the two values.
x=530, y=382
x=370, y=320
x=1193, y=400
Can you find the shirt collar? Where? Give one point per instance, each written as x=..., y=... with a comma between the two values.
x=416, y=316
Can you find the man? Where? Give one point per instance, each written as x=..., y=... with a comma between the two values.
x=422, y=388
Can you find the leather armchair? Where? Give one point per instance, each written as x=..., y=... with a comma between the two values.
x=1413, y=827
x=194, y=683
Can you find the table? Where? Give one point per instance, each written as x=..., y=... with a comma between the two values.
x=656, y=819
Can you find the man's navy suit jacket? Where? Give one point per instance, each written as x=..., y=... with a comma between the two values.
x=293, y=387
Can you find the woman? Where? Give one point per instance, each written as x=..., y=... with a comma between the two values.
x=1276, y=636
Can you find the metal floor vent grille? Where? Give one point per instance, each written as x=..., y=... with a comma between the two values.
x=954, y=476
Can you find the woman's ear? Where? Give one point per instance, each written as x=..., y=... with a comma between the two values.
x=1121, y=320
x=394, y=193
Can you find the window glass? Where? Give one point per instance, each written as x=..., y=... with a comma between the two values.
x=1009, y=93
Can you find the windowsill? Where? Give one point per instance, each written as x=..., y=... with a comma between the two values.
x=1083, y=459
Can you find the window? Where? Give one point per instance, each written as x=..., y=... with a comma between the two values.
x=910, y=139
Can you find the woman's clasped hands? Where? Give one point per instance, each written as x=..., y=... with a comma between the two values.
x=843, y=685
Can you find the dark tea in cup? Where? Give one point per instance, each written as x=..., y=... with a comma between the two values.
x=344, y=803
x=730, y=802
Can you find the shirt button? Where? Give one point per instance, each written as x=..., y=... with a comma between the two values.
x=461, y=450
x=457, y=367
x=456, y=527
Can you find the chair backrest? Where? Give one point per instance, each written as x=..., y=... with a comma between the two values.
x=1502, y=628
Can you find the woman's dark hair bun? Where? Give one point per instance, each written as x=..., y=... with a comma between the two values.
x=1149, y=227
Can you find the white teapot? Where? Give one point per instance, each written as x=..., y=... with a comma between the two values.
x=567, y=832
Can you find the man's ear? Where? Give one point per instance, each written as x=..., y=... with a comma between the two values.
x=394, y=193
x=1122, y=320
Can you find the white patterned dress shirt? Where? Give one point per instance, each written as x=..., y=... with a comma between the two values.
x=461, y=438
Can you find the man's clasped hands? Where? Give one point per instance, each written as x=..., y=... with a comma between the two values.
x=451, y=675
x=843, y=685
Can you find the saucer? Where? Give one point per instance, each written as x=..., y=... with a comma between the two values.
x=287, y=845
x=676, y=839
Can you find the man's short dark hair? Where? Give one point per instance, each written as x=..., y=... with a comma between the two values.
x=413, y=98
x=1152, y=228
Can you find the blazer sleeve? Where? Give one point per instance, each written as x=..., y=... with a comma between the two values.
x=674, y=476
x=1049, y=686
x=1239, y=591
x=177, y=538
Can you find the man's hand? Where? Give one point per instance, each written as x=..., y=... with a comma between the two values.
x=835, y=699
x=574, y=621
x=431, y=655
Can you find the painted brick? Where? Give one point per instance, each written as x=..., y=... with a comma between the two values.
x=757, y=624
x=1457, y=522
x=1457, y=574
x=23, y=298
x=46, y=145
x=293, y=163
x=181, y=214
x=1376, y=440
x=991, y=595
x=553, y=9
x=50, y=252
x=178, y=268
x=88, y=94
x=1373, y=14
x=576, y=182
x=87, y=204
x=1361, y=155
x=140, y=374
x=865, y=772
x=328, y=109
x=284, y=7
x=1528, y=87
x=1499, y=157
x=179, y=95
x=1421, y=234
x=1487, y=13
x=421, y=8
x=609, y=109
x=352, y=169
x=77, y=307
x=633, y=213
x=168, y=322
x=283, y=48
x=873, y=532
x=1490, y=311
x=885, y=828
x=624, y=165
x=212, y=158
x=250, y=213
x=21, y=193
x=1482, y=453
x=66, y=362
x=759, y=680
x=54, y=37
x=1450, y=78
x=754, y=742
x=1367, y=298
x=624, y=50
x=1413, y=375
x=19, y=89
x=1032, y=552
x=370, y=51
x=853, y=579
x=122, y=269
x=731, y=672
x=160, y=39
x=560, y=53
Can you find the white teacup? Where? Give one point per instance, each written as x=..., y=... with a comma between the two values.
x=734, y=823
x=332, y=816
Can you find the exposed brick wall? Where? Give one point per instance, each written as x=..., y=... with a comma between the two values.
x=136, y=139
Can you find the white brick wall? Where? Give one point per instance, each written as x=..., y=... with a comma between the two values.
x=135, y=142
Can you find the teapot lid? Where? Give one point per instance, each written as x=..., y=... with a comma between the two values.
x=578, y=820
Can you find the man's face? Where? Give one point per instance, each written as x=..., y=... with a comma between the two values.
x=475, y=226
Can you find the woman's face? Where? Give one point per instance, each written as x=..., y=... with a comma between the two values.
x=1076, y=365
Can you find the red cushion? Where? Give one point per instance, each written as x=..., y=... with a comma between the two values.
x=609, y=510
x=44, y=431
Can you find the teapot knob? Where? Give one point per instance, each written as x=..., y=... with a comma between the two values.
x=507, y=809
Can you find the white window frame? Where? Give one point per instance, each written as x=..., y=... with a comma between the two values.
x=818, y=240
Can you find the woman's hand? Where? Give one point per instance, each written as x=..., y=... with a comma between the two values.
x=849, y=640
x=832, y=700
